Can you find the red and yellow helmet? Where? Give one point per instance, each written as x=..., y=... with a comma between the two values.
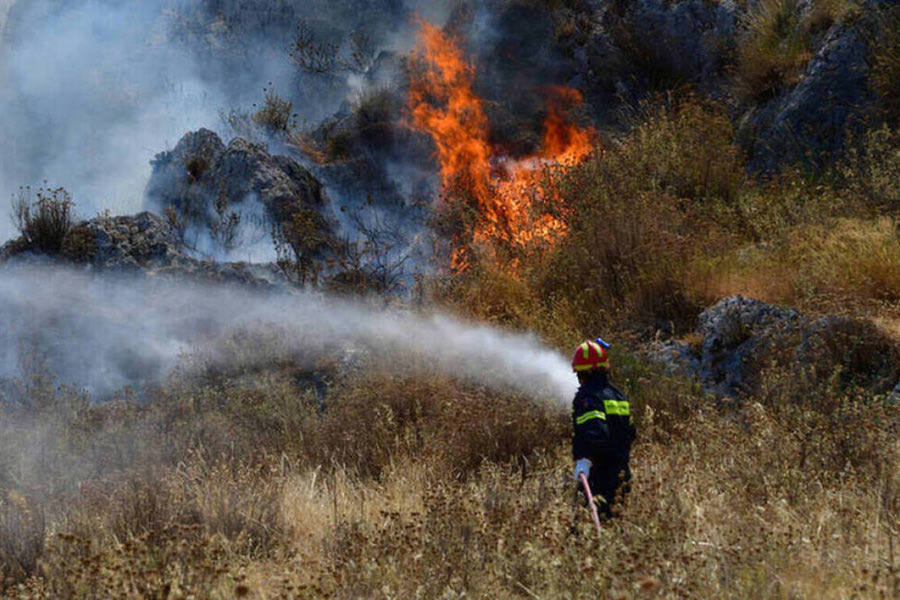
x=589, y=356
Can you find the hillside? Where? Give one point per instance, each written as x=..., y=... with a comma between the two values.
x=288, y=308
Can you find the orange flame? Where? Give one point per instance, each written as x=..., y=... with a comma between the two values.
x=564, y=142
x=503, y=190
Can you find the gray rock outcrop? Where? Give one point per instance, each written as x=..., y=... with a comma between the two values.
x=142, y=243
x=688, y=41
x=810, y=121
x=206, y=187
x=635, y=48
x=742, y=342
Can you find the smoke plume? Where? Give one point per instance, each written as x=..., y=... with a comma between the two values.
x=91, y=90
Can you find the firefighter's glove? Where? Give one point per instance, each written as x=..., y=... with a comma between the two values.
x=582, y=465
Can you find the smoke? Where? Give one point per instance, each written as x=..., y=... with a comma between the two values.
x=103, y=332
x=91, y=90
x=89, y=97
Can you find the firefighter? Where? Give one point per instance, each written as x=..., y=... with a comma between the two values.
x=603, y=427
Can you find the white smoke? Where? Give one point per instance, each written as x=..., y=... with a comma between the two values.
x=4, y=10
x=91, y=90
x=102, y=332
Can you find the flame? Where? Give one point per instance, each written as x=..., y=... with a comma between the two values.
x=563, y=142
x=504, y=191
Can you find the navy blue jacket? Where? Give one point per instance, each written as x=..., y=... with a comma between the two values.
x=602, y=424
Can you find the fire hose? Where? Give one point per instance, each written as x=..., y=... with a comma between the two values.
x=590, y=499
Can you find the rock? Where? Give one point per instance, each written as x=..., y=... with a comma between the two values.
x=692, y=39
x=809, y=122
x=149, y=243
x=733, y=338
x=248, y=172
x=677, y=358
x=142, y=243
x=13, y=248
x=143, y=240
x=895, y=393
x=202, y=183
x=743, y=341
x=636, y=47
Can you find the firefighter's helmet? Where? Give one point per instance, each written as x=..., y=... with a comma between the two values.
x=589, y=356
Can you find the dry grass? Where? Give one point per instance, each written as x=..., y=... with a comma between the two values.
x=844, y=265
x=775, y=50
x=413, y=485
x=886, y=61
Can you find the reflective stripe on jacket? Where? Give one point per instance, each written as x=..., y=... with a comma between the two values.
x=602, y=424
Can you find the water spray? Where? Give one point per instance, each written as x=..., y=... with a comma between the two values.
x=102, y=332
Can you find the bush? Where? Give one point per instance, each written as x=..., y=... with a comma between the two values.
x=684, y=147
x=774, y=52
x=870, y=169
x=22, y=531
x=44, y=222
x=370, y=420
x=375, y=112
x=275, y=116
x=624, y=261
x=885, y=61
x=633, y=212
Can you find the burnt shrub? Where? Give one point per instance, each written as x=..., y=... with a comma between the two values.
x=301, y=237
x=339, y=146
x=275, y=115
x=43, y=218
x=375, y=113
